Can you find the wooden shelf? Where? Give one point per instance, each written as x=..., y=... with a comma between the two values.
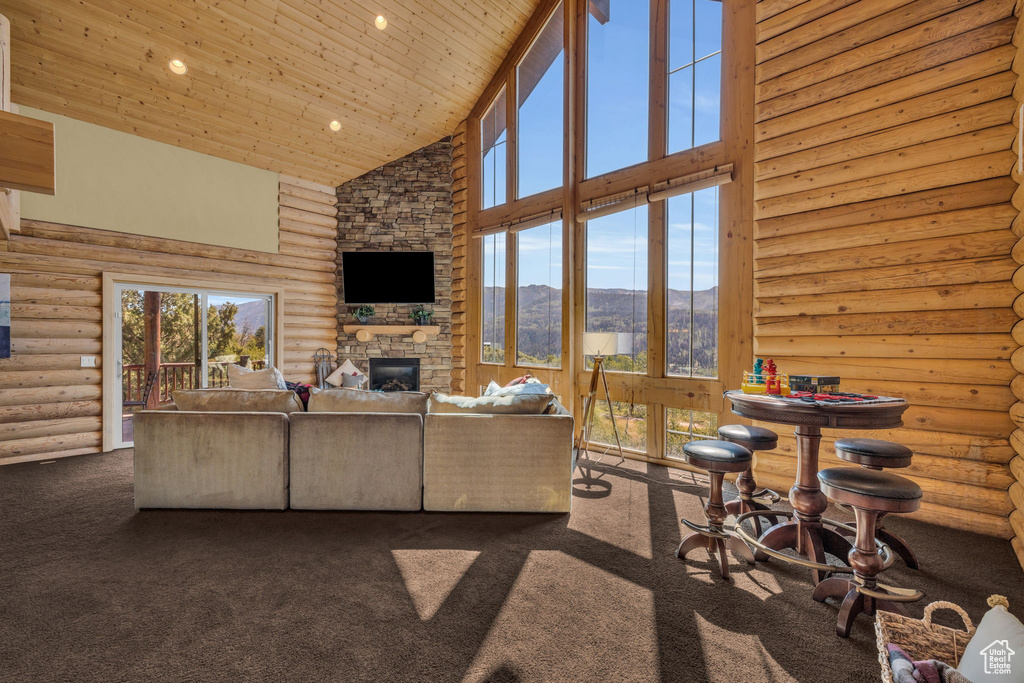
x=419, y=333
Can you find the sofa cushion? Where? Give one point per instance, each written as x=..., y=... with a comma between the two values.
x=237, y=400
x=358, y=401
x=244, y=378
x=531, y=404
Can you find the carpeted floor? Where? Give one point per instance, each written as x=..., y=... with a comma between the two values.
x=91, y=590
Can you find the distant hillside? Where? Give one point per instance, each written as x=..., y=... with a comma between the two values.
x=252, y=312
x=616, y=310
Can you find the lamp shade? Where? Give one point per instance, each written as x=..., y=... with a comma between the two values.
x=600, y=343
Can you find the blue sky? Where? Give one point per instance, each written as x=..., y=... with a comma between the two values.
x=617, y=137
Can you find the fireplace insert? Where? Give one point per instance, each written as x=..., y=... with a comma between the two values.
x=394, y=374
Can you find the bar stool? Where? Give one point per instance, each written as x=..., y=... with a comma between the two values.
x=717, y=458
x=753, y=439
x=870, y=493
x=874, y=454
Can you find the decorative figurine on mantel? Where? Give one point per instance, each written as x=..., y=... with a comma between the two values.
x=421, y=315
x=364, y=313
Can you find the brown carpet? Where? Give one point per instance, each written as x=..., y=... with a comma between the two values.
x=91, y=590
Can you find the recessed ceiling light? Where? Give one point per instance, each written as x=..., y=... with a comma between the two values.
x=177, y=66
x=380, y=22
x=335, y=125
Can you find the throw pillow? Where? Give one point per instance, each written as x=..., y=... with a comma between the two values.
x=357, y=401
x=237, y=400
x=519, y=380
x=244, y=378
x=520, y=389
x=489, y=405
x=346, y=375
x=997, y=647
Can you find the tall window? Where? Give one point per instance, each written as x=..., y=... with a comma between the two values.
x=694, y=73
x=617, y=287
x=539, y=80
x=618, y=64
x=692, y=316
x=493, y=308
x=493, y=153
x=539, y=296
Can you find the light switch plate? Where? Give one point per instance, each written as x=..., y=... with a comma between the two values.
x=88, y=361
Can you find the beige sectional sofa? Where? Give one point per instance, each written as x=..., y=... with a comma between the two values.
x=241, y=449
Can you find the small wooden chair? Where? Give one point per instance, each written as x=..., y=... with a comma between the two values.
x=870, y=493
x=874, y=454
x=716, y=458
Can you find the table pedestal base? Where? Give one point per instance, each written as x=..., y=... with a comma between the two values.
x=809, y=539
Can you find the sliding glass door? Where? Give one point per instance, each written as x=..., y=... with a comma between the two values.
x=171, y=338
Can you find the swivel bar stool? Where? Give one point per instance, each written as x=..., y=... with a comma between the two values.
x=753, y=439
x=870, y=493
x=874, y=454
x=717, y=458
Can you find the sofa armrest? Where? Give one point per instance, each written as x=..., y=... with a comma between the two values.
x=497, y=463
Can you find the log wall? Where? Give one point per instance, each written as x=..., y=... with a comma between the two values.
x=49, y=405
x=460, y=252
x=1017, y=385
x=883, y=211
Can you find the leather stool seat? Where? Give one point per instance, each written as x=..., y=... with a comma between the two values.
x=883, y=491
x=717, y=456
x=874, y=453
x=751, y=438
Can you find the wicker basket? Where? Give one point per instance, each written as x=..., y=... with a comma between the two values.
x=920, y=638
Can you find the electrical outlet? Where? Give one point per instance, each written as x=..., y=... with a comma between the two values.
x=88, y=361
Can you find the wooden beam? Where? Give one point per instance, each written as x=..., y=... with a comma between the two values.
x=26, y=154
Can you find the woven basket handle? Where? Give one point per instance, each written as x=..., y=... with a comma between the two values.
x=948, y=605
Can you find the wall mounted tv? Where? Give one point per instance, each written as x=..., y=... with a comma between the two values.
x=388, y=277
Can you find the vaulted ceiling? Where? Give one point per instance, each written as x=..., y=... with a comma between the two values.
x=266, y=77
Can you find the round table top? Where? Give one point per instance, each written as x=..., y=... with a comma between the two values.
x=780, y=410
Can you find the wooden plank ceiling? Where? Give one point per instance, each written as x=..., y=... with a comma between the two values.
x=266, y=77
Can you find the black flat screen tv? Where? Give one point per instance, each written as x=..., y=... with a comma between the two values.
x=388, y=277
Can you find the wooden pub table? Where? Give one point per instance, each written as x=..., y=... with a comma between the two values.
x=805, y=532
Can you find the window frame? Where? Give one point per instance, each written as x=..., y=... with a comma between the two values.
x=733, y=150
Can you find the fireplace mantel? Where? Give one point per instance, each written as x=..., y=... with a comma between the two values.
x=419, y=333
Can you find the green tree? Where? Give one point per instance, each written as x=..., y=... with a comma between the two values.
x=220, y=330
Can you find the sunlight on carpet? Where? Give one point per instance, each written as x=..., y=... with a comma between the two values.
x=431, y=575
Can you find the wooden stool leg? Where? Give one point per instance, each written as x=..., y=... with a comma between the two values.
x=713, y=542
x=897, y=544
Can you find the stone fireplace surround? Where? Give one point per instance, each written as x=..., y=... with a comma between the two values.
x=405, y=205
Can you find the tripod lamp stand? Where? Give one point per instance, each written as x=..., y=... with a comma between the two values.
x=598, y=345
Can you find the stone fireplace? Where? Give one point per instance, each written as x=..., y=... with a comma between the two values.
x=405, y=205
x=394, y=374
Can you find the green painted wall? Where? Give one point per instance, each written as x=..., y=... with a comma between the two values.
x=115, y=181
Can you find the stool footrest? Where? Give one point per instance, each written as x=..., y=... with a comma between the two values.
x=891, y=593
x=704, y=530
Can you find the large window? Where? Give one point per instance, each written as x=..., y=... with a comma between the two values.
x=493, y=309
x=692, y=301
x=493, y=153
x=694, y=73
x=618, y=64
x=539, y=296
x=539, y=81
x=617, y=288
